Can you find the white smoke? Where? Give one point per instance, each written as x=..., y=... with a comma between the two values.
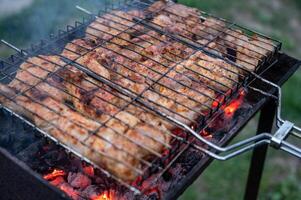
x=9, y=7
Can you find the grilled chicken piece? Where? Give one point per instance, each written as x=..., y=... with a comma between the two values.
x=184, y=109
x=99, y=101
x=78, y=51
x=212, y=71
x=110, y=65
x=247, y=51
x=112, y=24
x=127, y=66
x=118, y=145
x=40, y=72
x=35, y=70
x=250, y=50
x=180, y=9
x=128, y=73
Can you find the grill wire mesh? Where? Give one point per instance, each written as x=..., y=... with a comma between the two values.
x=222, y=54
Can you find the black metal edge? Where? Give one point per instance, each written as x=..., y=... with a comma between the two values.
x=18, y=181
x=288, y=70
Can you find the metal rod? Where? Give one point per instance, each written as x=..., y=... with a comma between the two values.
x=11, y=46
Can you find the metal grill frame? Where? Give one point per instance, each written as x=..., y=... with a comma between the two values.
x=85, y=22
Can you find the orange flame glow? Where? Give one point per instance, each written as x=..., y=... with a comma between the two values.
x=69, y=191
x=234, y=105
x=54, y=174
x=104, y=196
x=89, y=170
x=230, y=109
x=215, y=104
x=206, y=134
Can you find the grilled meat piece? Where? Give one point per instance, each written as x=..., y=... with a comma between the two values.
x=250, y=50
x=78, y=51
x=166, y=97
x=189, y=23
x=34, y=70
x=113, y=24
x=180, y=9
x=212, y=71
x=119, y=144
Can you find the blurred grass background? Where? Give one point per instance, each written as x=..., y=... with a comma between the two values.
x=26, y=21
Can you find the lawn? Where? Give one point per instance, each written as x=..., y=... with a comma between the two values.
x=223, y=180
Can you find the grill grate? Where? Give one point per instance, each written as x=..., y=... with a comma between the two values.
x=212, y=47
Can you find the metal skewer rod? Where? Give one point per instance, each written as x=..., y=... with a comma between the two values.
x=13, y=47
x=84, y=10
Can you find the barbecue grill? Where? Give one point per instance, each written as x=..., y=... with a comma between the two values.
x=192, y=147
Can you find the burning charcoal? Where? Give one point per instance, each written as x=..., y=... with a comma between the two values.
x=90, y=192
x=70, y=191
x=58, y=181
x=55, y=173
x=101, y=183
x=89, y=170
x=78, y=180
x=105, y=196
x=190, y=159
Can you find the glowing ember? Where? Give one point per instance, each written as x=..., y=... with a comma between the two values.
x=234, y=105
x=89, y=170
x=54, y=174
x=230, y=109
x=215, y=104
x=104, y=196
x=206, y=134
x=57, y=181
x=69, y=190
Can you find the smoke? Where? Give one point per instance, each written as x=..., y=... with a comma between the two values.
x=9, y=7
x=39, y=18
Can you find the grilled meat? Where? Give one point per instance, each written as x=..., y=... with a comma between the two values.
x=118, y=144
x=33, y=71
x=113, y=24
x=103, y=124
x=250, y=50
x=166, y=95
x=189, y=23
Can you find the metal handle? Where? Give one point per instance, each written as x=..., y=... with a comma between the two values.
x=286, y=128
